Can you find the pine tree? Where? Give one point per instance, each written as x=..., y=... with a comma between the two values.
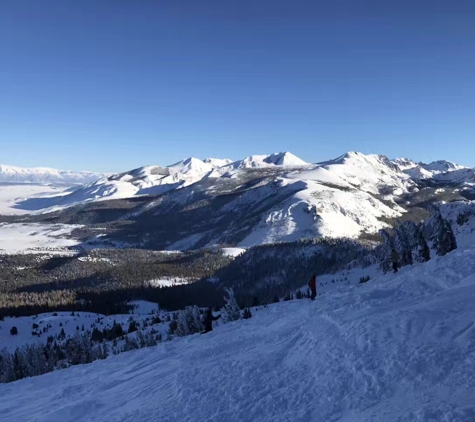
x=231, y=311
x=132, y=327
x=438, y=230
x=105, y=351
x=423, y=251
x=402, y=245
x=384, y=252
x=7, y=369
x=183, y=327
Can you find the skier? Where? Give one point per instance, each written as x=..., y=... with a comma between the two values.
x=208, y=320
x=313, y=286
x=395, y=259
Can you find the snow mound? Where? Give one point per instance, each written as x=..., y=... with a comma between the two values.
x=321, y=175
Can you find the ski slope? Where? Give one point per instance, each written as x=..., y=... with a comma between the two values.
x=400, y=347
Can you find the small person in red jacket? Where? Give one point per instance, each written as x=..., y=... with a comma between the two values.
x=313, y=286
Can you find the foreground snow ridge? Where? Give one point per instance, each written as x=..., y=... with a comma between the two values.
x=398, y=348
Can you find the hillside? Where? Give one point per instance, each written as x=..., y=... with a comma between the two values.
x=397, y=348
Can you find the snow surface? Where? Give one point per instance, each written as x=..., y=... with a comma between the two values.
x=318, y=210
x=67, y=321
x=369, y=173
x=233, y=251
x=13, y=193
x=168, y=281
x=400, y=347
x=32, y=237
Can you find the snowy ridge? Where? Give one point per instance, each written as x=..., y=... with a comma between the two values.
x=263, y=161
x=316, y=210
x=441, y=169
x=156, y=180
x=369, y=173
x=45, y=175
x=217, y=162
x=397, y=348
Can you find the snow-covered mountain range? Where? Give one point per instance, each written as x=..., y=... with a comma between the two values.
x=438, y=170
x=259, y=199
x=45, y=175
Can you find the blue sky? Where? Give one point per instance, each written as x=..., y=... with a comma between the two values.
x=111, y=85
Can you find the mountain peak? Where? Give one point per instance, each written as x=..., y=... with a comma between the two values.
x=218, y=162
x=280, y=159
x=284, y=159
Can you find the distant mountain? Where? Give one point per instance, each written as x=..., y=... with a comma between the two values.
x=263, y=161
x=156, y=180
x=260, y=199
x=428, y=171
x=44, y=175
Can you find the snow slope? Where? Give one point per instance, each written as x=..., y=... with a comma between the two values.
x=67, y=321
x=370, y=173
x=45, y=175
x=398, y=348
x=318, y=210
x=13, y=193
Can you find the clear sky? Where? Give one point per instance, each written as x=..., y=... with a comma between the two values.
x=109, y=85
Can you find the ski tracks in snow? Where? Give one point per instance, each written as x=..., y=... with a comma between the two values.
x=399, y=348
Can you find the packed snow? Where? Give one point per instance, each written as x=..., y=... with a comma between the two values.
x=400, y=347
